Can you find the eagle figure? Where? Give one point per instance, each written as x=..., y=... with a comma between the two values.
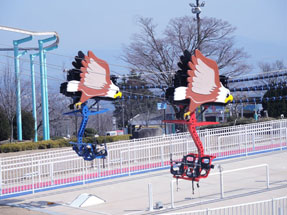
x=203, y=84
x=90, y=79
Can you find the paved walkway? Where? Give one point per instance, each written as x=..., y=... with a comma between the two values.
x=129, y=195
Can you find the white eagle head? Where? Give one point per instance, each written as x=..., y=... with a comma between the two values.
x=114, y=91
x=224, y=95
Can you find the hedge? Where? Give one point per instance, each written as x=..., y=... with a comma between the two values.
x=22, y=146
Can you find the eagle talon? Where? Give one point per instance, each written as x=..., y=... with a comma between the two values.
x=78, y=105
x=186, y=116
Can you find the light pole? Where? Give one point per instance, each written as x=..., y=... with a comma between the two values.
x=123, y=114
x=196, y=9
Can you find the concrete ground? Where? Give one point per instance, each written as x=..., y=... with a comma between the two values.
x=10, y=210
x=129, y=195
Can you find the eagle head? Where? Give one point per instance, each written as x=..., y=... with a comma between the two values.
x=114, y=91
x=224, y=95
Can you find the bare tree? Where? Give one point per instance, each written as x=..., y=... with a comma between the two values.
x=273, y=68
x=158, y=56
x=101, y=123
x=8, y=94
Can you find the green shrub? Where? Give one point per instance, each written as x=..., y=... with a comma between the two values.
x=89, y=132
x=63, y=143
x=29, y=146
x=15, y=147
x=27, y=124
x=48, y=144
x=42, y=145
x=5, y=148
x=108, y=139
x=4, y=126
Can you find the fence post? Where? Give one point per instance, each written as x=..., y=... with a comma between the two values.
x=161, y=155
x=273, y=207
x=1, y=177
x=186, y=142
x=33, y=182
x=219, y=146
x=280, y=211
x=272, y=136
x=253, y=141
x=107, y=165
x=207, y=211
x=171, y=194
x=121, y=162
x=39, y=170
x=150, y=197
x=267, y=176
x=149, y=154
x=205, y=139
x=83, y=171
x=246, y=152
x=129, y=157
x=52, y=173
x=281, y=147
x=221, y=182
x=99, y=169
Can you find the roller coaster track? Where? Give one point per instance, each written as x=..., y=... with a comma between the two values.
x=31, y=33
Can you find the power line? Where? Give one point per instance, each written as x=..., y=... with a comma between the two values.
x=267, y=75
x=49, y=77
x=56, y=67
x=57, y=79
x=150, y=72
x=115, y=65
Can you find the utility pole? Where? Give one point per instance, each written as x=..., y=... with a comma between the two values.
x=123, y=114
x=195, y=9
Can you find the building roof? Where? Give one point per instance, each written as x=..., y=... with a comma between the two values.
x=152, y=119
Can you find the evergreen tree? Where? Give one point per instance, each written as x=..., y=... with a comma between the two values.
x=275, y=107
x=89, y=132
x=126, y=108
x=27, y=126
x=4, y=126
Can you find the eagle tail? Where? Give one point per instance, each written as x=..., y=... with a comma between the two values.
x=73, y=86
x=180, y=93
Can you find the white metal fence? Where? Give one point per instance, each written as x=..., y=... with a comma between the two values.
x=221, y=173
x=47, y=170
x=276, y=206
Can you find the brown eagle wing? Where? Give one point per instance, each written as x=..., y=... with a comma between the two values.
x=203, y=80
x=95, y=72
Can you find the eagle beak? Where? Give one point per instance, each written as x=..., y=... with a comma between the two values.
x=119, y=94
x=229, y=99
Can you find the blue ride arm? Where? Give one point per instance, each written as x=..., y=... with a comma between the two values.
x=72, y=112
x=98, y=112
x=85, y=114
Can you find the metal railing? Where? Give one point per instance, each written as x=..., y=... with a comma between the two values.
x=221, y=173
x=275, y=206
x=57, y=168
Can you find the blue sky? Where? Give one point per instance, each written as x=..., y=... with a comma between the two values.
x=105, y=26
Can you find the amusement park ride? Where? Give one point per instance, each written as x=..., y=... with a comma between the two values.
x=90, y=78
x=196, y=83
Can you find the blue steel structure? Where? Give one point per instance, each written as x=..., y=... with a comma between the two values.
x=44, y=89
x=17, y=55
x=44, y=84
x=34, y=94
x=88, y=151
